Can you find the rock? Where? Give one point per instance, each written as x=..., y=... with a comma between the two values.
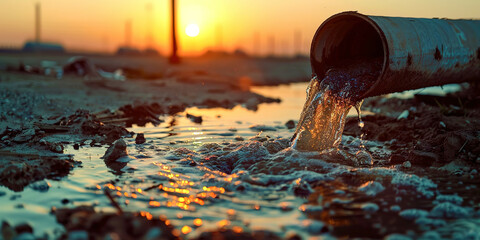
x=40, y=186
x=81, y=66
x=420, y=158
x=7, y=231
x=273, y=146
x=24, y=136
x=364, y=158
x=407, y=164
x=262, y=128
x=397, y=159
x=371, y=188
x=100, y=225
x=239, y=138
x=451, y=146
x=23, y=228
x=252, y=104
x=99, y=139
x=290, y=124
x=116, y=151
x=258, y=138
x=301, y=188
x=195, y=119
x=76, y=146
x=172, y=109
x=140, y=139
x=57, y=147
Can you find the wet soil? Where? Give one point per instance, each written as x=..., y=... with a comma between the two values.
x=378, y=167
x=39, y=113
x=427, y=130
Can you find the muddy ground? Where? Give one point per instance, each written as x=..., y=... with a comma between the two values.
x=43, y=107
x=39, y=114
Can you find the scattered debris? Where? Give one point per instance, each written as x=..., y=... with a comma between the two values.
x=80, y=66
x=262, y=128
x=19, y=231
x=20, y=169
x=195, y=119
x=140, y=139
x=101, y=225
x=290, y=124
x=238, y=233
x=140, y=114
x=24, y=136
x=116, y=151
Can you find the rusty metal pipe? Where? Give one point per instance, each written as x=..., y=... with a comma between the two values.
x=416, y=52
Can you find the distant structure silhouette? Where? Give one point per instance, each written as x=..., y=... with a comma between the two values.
x=37, y=22
x=174, y=59
x=149, y=36
x=271, y=45
x=149, y=26
x=128, y=33
x=219, y=37
x=37, y=45
x=256, y=43
x=297, y=42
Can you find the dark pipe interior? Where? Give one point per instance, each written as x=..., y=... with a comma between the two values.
x=344, y=40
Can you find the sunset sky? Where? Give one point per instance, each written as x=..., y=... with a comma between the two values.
x=257, y=26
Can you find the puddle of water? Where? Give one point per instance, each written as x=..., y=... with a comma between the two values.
x=175, y=174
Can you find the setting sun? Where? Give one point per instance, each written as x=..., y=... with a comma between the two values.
x=192, y=30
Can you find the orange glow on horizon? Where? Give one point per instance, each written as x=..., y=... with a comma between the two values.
x=224, y=25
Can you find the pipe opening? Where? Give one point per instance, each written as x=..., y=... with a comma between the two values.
x=346, y=39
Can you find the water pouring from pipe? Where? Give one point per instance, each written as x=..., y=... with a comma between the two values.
x=354, y=56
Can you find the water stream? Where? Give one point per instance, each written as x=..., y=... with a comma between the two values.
x=328, y=101
x=236, y=170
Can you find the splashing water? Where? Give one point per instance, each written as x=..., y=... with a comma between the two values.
x=328, y=101
x=322, y=119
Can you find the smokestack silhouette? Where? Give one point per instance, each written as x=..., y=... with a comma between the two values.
x=149, y=26
x=128, y=33
x=219, y=37
x=256, y=43
x=271, y=45
x=174, y=57
x=297, y=39
x=37, y=22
